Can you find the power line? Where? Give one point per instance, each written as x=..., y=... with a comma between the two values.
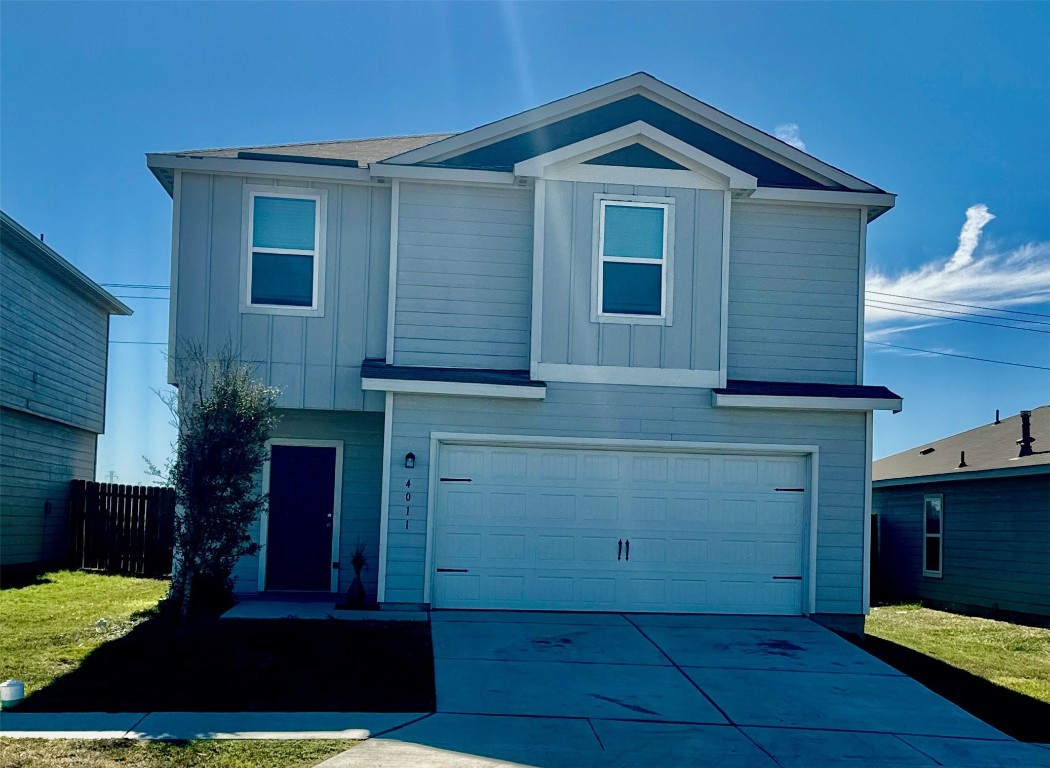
x=873, y=302
x=956, y=304
x=138, y=342
x=957, y=319
x=962, y=357
x=167, y=298
x=143, y=286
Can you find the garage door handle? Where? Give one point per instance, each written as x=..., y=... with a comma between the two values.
x=455, y=479
x=787, y=578
x=627, y=554
x=619, y=549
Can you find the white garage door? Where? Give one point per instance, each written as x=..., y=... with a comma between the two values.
x=604, y=530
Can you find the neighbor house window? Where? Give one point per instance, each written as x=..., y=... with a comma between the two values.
x=285, y=250
x=932, y=534
x=633, y=256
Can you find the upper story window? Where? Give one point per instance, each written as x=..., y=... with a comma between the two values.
x=633, y=253
x=285, y=250
x=932, y=533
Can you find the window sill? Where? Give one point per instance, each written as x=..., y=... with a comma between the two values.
x=252, y=309
x=631, y=319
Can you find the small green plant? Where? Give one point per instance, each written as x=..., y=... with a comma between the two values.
x=355, y=597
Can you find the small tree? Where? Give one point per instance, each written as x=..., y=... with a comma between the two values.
x=224, y=417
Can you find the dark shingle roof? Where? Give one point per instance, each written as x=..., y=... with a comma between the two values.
x=991, y=447
x=805, y=389
x=364, y=151
x=374, y=368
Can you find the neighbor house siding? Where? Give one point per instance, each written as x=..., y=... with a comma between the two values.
x=793, y=293
x=316, y=361
x=464, y=276
x=38, y=458
x=996, y=544
x=53, y=346
x=362, y=436
x=639, y=413
x=569, y=336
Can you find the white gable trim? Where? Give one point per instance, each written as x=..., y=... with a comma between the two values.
x=713, y=173
x=649, y=86
x=790, y=402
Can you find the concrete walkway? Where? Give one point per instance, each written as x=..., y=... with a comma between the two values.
x=202, y=725
x=585, y=690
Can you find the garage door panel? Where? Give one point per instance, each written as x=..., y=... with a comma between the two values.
x=541, y=528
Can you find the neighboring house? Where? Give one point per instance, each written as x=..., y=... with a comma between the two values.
x=54, y=336
x=605, y=354
x=964, y=522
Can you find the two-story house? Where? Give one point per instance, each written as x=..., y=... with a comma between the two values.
x=605, y=354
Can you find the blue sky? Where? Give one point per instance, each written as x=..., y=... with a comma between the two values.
x=947, y=105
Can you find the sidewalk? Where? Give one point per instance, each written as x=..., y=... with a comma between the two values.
x=201, y=725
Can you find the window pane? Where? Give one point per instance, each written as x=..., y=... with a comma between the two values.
x=282, y=222
x=283, y=279
x=933, y=515
x=634, y=232
x=631, y=289
x=933, y=553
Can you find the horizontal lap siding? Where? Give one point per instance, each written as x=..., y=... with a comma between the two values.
x=38, y=458
x=362, y=436
x=53, y=346
x=793, y=280
x=996, y=545
x=464, y=276
x=315, y=361
x=640, y=413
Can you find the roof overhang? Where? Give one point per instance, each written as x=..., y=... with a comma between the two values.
x=646, y=85
x=163, y=166
x=703, y=170
x=377, y=375
x=950, y=477
x=805, y=397
x=18, y=237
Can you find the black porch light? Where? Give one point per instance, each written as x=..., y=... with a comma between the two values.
x=410, y=460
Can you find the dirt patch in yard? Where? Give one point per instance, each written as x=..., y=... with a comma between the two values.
x=1013, y=713
x=247, y=665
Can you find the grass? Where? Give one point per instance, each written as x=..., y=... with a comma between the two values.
x=1010, y=655
x=142, y=660
x=63, y=753
x=50, y=627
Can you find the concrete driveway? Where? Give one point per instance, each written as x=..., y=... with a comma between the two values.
x=560, y=689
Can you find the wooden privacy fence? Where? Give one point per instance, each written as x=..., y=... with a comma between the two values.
x=127, y=529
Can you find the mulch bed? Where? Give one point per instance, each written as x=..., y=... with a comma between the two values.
x=1013, y=713
x=248, y=665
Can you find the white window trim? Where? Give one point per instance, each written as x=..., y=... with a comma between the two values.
x=320, y=196
x=939, y=536
x=337, y=504
x=599, y=258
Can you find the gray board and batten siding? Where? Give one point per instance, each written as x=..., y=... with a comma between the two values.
x=995, y=544
x=569, y=336
x=794, y=282
x=362, y=474
x=464, y=276
x=638, y=413
x=316, y=361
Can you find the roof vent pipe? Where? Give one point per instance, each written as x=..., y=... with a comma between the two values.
x=962, y=459
x=997, y=416
x=1026, y=435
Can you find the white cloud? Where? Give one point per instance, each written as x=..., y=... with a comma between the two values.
x=995, y=278
x=977, y=216
x=788, y=133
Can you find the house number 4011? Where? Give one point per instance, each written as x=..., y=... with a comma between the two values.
x=408, y=498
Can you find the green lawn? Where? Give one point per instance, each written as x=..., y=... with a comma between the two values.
x=62, y=753
x=49, y=627
x=1010, y=655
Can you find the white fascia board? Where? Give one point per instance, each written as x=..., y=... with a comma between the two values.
x=825, y=196
x=454, y=388
x=647, y=85
x=806, y=403
x=642, y=133
x=614, y=374
x=429, y=173
x=617, y=444
x=270, y=168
